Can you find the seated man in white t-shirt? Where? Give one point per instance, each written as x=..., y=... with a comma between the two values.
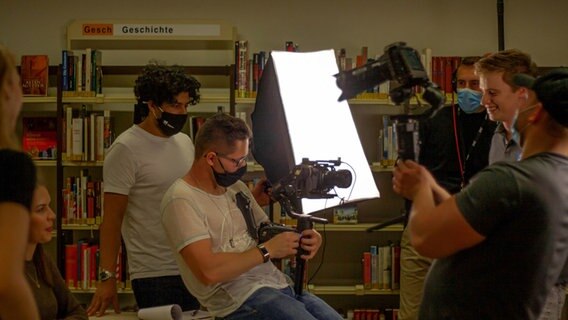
x=220, y=263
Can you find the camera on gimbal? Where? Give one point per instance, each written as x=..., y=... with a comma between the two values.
x=401, y=65
x=311, y=180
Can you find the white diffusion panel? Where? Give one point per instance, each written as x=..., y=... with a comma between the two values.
x=320, y=127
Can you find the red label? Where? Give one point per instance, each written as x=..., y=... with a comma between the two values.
x=97, y=29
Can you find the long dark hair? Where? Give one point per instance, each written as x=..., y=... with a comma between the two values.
x=43, y=271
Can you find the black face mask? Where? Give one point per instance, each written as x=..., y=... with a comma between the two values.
x=228, y=178
x=171, y=123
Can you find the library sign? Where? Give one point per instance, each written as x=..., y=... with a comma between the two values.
x=150, y=29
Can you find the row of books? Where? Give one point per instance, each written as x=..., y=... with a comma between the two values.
x=387, y=143
x=374, y=314
x=247, y=71
x=442, y=71
x=82, y=266
x=381, y=267
x=82, y=200
x=81, y=72
x=88, y=134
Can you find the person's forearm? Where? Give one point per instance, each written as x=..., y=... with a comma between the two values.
x=17, y=301
x=114, y=208
x=109, y=243
x=422, y=205
x=440, y=194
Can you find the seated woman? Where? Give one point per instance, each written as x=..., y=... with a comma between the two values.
x=52, y=296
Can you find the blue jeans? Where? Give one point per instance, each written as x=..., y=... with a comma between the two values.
x=273, y=304
x=159, y=291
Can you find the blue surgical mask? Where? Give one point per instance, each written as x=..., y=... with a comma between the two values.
x=469, y=100
x=516, y=133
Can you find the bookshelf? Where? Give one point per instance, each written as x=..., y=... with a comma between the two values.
x=44, y=106
x=124, y=55
x=117, y=97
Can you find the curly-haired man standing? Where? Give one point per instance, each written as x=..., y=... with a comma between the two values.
x=139, y=167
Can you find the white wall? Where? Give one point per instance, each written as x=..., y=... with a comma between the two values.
x=449, y=27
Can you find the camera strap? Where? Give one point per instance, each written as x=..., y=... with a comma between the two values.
x=243, y=203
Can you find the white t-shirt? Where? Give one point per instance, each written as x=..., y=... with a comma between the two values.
x=189, y=215
x=143, y=166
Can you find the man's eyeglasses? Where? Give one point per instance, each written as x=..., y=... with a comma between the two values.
x=237, y=162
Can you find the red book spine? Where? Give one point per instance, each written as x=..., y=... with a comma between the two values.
x=437, y=70
x=367, y=270
x=91, y=202
x=71, y=265
x=93, y=266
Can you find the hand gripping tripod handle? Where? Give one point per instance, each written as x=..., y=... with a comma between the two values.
x=303, y=224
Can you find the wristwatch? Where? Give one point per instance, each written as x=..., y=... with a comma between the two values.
x=265, y=254
x=104, y=275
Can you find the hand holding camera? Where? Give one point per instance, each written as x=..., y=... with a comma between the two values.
x=283, y=245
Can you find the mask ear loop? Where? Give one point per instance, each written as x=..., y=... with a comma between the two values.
x=151, y=108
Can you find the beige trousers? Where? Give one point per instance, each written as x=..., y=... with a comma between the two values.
x=413, y=270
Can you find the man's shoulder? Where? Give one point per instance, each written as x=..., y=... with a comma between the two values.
x=178, y=190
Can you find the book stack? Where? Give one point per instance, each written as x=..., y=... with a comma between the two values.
x=381, y=267
x=387, y=144
x=82, y=264
x=242, y=68
x=88, y=134
x=81, y=73
x=443, y=69
x=374, y=314
x=82, y=200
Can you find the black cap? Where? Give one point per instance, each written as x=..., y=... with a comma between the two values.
x=551, y=90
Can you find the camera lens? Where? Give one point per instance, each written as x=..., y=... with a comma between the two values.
x=339, y=178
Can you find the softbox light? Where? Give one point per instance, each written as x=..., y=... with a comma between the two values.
x=297, y=116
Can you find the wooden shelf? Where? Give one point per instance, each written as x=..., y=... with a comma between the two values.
x=92, y=290
x=80, y=227
x=45, y=163
x=47, y=99
x=357, y=290
x=67, y=163
x=379, y=168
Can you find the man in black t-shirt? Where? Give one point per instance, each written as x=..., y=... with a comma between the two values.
x=502, y=243
x=454, y=145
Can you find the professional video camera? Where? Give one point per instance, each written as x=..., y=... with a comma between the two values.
x=400, y=64
x=312, y=180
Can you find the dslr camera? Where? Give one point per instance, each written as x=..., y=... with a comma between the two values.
x=401, y=65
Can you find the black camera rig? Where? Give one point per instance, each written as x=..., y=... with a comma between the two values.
x=401, y=65
x=310, y=179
